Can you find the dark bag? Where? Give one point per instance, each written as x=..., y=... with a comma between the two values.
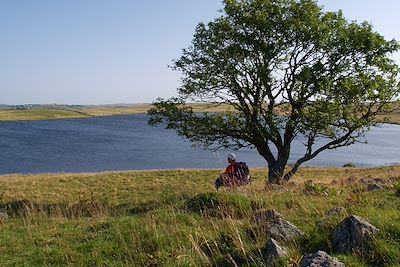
x=241, y=177
x=242, y=172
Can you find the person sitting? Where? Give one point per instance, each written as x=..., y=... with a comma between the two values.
x=236, y=174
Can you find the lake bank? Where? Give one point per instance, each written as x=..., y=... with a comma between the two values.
x=144, y=218
x=322, y=174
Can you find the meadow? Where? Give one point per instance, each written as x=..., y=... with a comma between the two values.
x=176, y=218
x=51, y=112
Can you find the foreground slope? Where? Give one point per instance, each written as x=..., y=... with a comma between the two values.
x=148, y=218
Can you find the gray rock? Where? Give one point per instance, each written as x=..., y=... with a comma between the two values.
x=336, y=211
x=379, y=181
x=267, y=216
x=375, y=187
x=276, y=226
x=273, y=251
x=284, y=230
x=320, y=259
x=352, y=234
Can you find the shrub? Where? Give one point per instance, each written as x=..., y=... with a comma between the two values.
x=349, y=165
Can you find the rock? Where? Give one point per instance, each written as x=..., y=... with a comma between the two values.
x=284, y=230
x=267, y=216
x=379, y=181
x=375, y=187
x=352, y=180
x=352, y=234
x=276, y=226
x=320, y=259
x=336, y=211
x=273, y=251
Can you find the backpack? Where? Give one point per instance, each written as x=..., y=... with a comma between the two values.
x=242, y=171
x=241, y=177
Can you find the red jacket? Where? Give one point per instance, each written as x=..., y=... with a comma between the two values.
x=231, y=170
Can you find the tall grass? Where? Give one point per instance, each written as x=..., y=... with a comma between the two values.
x=175, y=218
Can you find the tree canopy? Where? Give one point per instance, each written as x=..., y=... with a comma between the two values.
x=289, y=70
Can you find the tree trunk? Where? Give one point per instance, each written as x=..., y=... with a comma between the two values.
x=291, y=173
x=275, y=174
x=276, y=169
x=295, y=168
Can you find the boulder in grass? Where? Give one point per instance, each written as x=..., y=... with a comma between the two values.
x=276, y=226
x=320, y=259
x=263, y=216
x=336, y=211
x=273, y=251
x=352, y=235
x=375, y=187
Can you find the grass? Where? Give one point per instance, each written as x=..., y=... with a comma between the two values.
x=51, y=112
x=175, y=217
x=393, y=117
x=38, y=114
x=64, y=112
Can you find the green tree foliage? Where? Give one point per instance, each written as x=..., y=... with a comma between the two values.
x=290, y=71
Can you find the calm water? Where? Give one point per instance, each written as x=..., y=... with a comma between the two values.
x=127, y=143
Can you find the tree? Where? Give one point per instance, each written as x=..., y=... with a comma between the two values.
x=289, y=70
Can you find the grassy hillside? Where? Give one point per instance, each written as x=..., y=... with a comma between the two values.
x=393, y=117
x=38, y=114
x=64, y=112
x=49, y=112
x=150, y=218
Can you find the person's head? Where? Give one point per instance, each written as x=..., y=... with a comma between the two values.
x=231, y=157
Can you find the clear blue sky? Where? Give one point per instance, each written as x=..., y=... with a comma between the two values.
x=105, y=52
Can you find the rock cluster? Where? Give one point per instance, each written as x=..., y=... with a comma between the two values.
x=353, y=234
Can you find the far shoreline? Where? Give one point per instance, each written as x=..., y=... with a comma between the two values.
x=60, y=112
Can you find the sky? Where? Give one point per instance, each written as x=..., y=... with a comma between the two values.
x=110, y=52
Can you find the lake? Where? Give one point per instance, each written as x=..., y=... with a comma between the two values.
x=128, y=143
